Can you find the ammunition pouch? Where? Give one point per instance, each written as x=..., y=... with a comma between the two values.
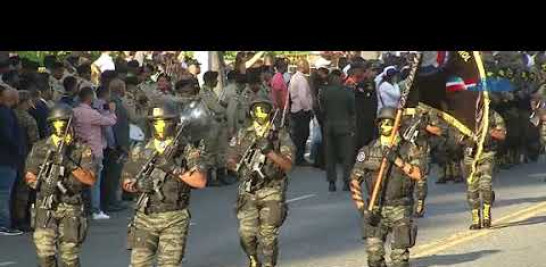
x=277, y=213
x=75, y=229
x=42, y=218
x=143, y=239
x=404, y=234
x=370, y=231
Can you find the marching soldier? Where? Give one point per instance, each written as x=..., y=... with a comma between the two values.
x=59, y=168
x=420, y=127
x=393, y=214
x=481, y=182
x=162, y=172
x=219, y=139
x=265, y=156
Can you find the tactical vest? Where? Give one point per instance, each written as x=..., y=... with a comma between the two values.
x=272, y=172
x=74, y=188
x=397, y=188
x=176, y=195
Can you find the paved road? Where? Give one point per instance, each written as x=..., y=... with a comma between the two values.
x=323, y=230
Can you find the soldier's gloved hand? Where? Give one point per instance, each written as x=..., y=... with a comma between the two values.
x=371, y=218
x=166, y=165
x=265, y=145
x=145, y=185
x=391, y=154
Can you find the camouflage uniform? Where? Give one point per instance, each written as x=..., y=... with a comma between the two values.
x=396, y=204
x=482, y=180
x=57, y=87
x=262, y=209
x=28, y=123
x=65, y=226
x=21, y=191
x=161, y=227
x=235, y=111
x=218, y=139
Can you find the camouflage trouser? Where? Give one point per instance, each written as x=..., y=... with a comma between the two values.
x=261, y=214
x=163, y=234
x=450, y=169
x=481, y=180
x=218, y=143
x=65, y=228
x=397, y=221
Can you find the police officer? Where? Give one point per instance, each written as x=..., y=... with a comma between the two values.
x=59, y=168
x=481, y=181
x=160, y=225
x=393, y=212
x=267, y=155
x=218, y=139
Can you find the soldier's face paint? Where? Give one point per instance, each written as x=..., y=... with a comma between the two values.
x=160, y=127
x=385, y=127
x=261, y=115
x=59, y=127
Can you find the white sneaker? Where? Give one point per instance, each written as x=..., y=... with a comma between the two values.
x=100, y=216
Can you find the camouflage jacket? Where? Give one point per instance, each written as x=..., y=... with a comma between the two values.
x=176, y=193
x=274, y=175
x=490, y=145
x=397, y=186
x=211, y=100
x=77, y=154
x=27, y=122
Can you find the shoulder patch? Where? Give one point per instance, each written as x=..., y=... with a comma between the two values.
x=361, y=156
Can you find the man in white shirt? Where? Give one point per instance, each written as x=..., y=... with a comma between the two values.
x=301, y=108
x=389, y=92
x=105, y=62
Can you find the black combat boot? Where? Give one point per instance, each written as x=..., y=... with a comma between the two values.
x=476, y=220
x=419, y=209
x=254, y=262
x=486, y=215
x=332, y=187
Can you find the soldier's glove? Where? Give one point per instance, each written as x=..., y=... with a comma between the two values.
x=391, y=154
x=371, y=218
x=166, y=165
x=265, y=145
x=145, y=185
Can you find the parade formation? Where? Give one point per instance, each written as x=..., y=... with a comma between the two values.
x=166, y=129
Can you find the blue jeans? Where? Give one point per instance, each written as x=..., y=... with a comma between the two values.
x=7, y=180
x=95, y=190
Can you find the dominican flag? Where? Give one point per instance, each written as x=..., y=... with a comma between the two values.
x=456, y=83
x=449, y=81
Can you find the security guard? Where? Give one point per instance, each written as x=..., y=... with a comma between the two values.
x=160, y=225
x=393, y=212
x=261, y=156
x=59, y=168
